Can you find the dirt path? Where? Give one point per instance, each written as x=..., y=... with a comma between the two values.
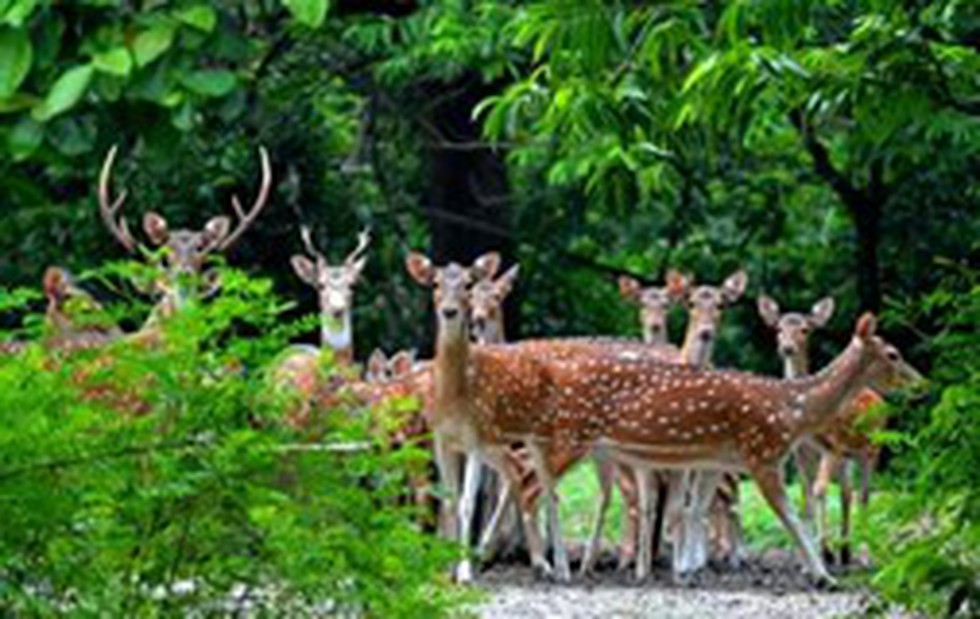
x=771, y=586
x=608, y=601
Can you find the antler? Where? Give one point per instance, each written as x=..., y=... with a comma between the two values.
x=246, y=219
x=306, y=234
x=109, y=209
x=363, y=240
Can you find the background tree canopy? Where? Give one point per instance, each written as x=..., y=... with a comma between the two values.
x=829, y=148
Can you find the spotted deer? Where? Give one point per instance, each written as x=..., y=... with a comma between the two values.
x=72, y=317
x=299, y=368
x=382, y=368
x=706, y=303
x=186, y=251
x=844, y=441
x=657, y=416
x=454, y=419
x=690, y=494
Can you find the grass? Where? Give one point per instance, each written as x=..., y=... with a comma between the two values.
x=579, y=492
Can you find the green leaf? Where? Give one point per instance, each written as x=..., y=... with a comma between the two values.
x=201, y=17
x=151, y=44
x=16, y=55
x=17, y=103
x=24, y=139
x=18, y=12
x=114, y=62
x=65, y=93
x=308, y=12
x=209, y=82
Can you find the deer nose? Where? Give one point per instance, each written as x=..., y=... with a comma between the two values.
x=450, y=313
x=786, y=350
x=706, y=335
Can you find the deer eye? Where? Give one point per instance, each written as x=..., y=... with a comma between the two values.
x=892, y=355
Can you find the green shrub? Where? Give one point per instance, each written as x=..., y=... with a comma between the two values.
x=156, y=480
x=927, y=533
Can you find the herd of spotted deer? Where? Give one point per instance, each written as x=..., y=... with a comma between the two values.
x=671, y=432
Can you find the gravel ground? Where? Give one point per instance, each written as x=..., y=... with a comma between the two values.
x=767, y=586
x=579, y=602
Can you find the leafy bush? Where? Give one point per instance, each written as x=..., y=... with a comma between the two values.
x=928, y=535
x=147, y=480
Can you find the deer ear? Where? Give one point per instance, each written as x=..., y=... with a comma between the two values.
x=486, y=265
x=420, y=268
x=376, y=363
x=216, y=230
x=304, y=268
x=155, y=227
x=867, y=324
x=54, y=282
x=629, y=288
x=822, y=311
x=505, y=283
x=734, y=286
x=769, y=310
x=677, y=284
x=401, y=362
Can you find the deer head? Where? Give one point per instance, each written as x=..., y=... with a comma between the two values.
x=793, y=330
x=334, y=285
x=185, y=250
x=654, y=302
x=704, y=306
x=451, y=286
x=381, y=368
x=886, y=369
x=487, y=306
x=72, y=311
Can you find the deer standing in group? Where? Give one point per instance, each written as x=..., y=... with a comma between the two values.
x=685, y=510
x=839, y=444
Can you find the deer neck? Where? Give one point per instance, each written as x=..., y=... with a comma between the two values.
x=694, y=356
x=338, y=336
x=493, y=332
x=818, y=397
x=451, y=372
x=656, y=338
x=796, y=366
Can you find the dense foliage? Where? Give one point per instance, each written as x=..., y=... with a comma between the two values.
x=829, y=148
x=139, y=480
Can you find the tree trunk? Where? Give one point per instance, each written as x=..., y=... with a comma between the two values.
x=867, y=224
x=468, y=195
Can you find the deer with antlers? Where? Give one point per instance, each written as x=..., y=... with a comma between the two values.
x=844, y=441
x=299, y=367
x=186, y=251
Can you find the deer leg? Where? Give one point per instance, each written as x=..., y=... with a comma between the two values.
x=492, y=530
x=680, y=512
x=846, y=493
x=828, y=463
x=527, y=503
x=447, y=464
x=736, y=549
x=706, y=491
x=471, y=486
x=563, y=572
x=772, y=485
x=631, y=514
x=644, y=554
x=806, y=483
x=606, y=471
